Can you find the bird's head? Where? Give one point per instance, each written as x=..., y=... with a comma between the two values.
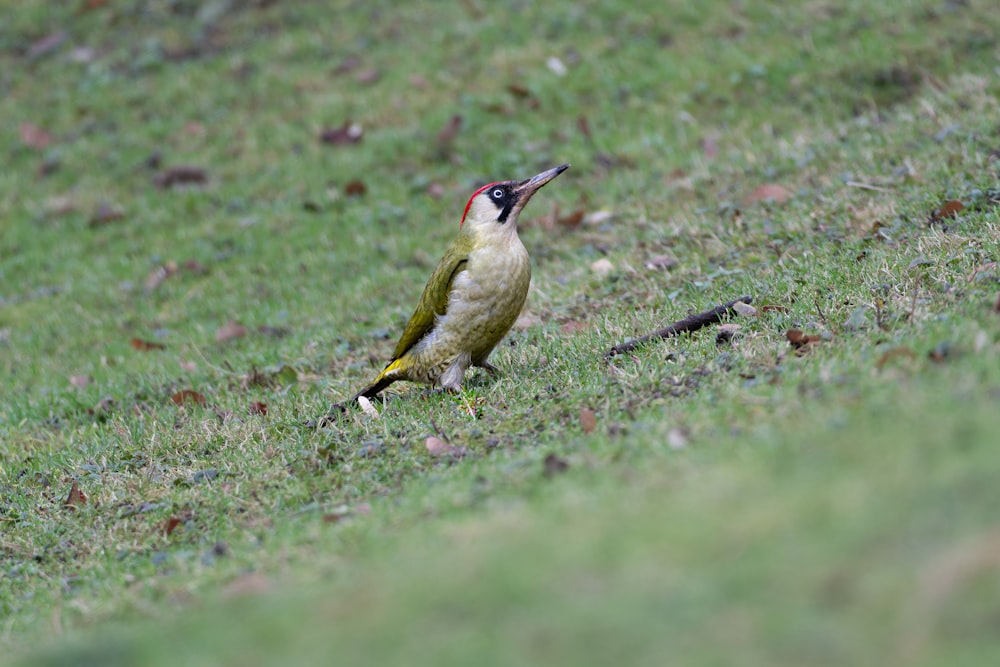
x=500, y=203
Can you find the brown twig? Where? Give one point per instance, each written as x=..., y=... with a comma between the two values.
x=687, y=325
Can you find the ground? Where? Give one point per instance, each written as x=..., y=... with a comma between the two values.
x=215, y=219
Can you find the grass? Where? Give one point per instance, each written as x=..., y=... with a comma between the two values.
x=729, y=502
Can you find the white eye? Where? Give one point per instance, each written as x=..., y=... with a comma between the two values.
x=498, y=193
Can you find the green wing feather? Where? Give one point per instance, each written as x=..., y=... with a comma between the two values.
x=434, y=300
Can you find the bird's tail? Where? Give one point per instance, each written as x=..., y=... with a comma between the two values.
x=384, y=379
x=374, y=388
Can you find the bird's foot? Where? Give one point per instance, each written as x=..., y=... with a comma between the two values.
x=490, y=368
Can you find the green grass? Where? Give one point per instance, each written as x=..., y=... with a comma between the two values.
x=735, y=502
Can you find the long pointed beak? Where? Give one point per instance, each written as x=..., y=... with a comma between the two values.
x=527, y=188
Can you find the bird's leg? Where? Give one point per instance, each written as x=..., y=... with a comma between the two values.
x=488, y=367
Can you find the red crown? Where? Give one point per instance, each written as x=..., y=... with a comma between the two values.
x=474, y=195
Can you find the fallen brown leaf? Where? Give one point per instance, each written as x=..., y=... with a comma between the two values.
x=894, y=353
x=230, y=330
x=180, y=175
x=169, y=525
x=438, y=447
x=102, y=408
x=76, y=497
x=105, y=214
x=799, y=340
x=773, y=308
x=554, y=465
x=449, y=131
x=159, y=274
x=146, y=346
x=949, y=209
x=251, y=583
x=355, y=188
x=583, y=125
x=661, y=263
x=571, y=221
x=368, y=76
x=941, y=352
x=588, y=420
x=47, y=44
x=34, y=136
x=709, y=146
x=769, y=192
x=195, y=267
x=573, y=326
x=346, y=134
x=188, y=396
x=258, y=408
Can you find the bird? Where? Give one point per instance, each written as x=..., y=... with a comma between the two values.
x=473, y=296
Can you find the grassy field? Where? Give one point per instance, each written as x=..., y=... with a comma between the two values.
x=215, y=219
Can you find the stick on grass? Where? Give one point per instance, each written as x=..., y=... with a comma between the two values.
x=687, y=325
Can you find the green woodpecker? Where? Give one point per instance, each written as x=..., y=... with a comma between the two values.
x=474, y=295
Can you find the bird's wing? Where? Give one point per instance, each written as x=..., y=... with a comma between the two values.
x=433, y=302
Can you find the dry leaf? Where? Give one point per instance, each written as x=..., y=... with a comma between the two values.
x=230, y=330
x=895, y=353
x=103, y=407
x=449, y=131
x=772, y=308
x=104, y=214
x=584, y=126
x=346, y=134
x=438, y=447
x=355, y=188
x=573, y=326
x=251, y=583
x=188, y=396
x=799, y=340
x=661, y=263
x=744, y=309
x=258, y=408
x=47, y=44
x=553, y=465
x=368, y=76
x=76, y=497
x=34, y=136
x=349, y=64
x=159, y=274
x=180, y=175
x=525, y=322
x=571, y=221
x=588, y=420
x=146, y=346
x=195, y=267
x=769, y=192
x=709, y=146
x=941, y=352
x=949, y=209
x=169, y=525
